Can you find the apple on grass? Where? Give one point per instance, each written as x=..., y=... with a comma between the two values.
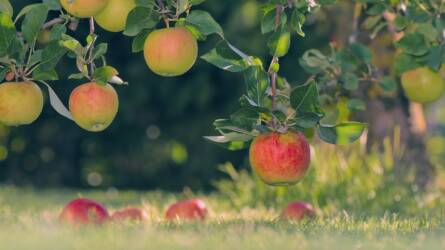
x=298, y=211
x=280, y=158
x=94, y=106
x=170, y=51
x=21, y=103
x=129, y=214
x=190, y=210
x=83, y=8
x=84, y=211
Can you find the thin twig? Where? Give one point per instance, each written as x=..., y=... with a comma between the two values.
x=164, y=16
x=91, y=48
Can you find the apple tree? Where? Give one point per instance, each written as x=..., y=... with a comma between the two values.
x=277, y=115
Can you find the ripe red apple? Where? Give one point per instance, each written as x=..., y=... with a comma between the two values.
x=83, y=8
x=280, y=158
x=298, y=211
x=84, y=211
x=21, y=103
x=423, y=85
x=94, y=106
x=194, y=209
x=171, y=51
x=114, y=17
x=129, y=214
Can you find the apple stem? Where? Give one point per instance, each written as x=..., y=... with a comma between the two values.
x=273, y=75
x=91, y=49
x=164, y=17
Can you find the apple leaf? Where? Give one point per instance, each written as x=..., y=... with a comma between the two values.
x=7, y=33
x=33, y=22
x=304, y=98
x=224, y=58
x=6, y=7
x=205, y=23
x=341, y=134
x=139, y=19
x=56, y=103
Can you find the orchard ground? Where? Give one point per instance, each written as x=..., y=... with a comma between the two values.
x=30, y=221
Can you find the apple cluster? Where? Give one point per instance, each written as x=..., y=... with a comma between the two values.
x=85, y=212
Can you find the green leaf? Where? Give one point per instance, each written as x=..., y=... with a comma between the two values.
x=100, y=50
x=388, y=84
x=414, y=44
x=223, y=57
x=7, y=33
x=51, y=55
x=341, y=134
x=139, y=41
x=205, y=23
x=306, y=120
x=57, y=104
x=257, y=81
x=104, y=74
x=304, y=98
x=227, y=143
x=141, y=18
x=57, y=31
x=297, y=21
x=40, y=75
x=52, y=4
x=33, y=22
x=350, y=81
x=356, y=105
x=279, y=43
x=6, y=7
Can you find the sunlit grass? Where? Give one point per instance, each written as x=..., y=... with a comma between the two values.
x=28, y=220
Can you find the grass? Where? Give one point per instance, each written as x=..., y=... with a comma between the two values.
x=28, y=220
x=364, y=200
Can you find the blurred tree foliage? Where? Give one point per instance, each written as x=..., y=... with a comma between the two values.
x=156, y=140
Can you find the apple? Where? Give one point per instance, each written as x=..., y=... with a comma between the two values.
x=94, y=106
x=194, y=209
x=423, y=85
x=298, y=211
x=84, y=211
x=114, y=17
x=171, y=51
x=83, y=8
x=129, y=214
x=280, y=158
x=21, y=103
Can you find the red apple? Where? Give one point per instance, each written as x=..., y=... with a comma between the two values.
x=84, y=211
x=129, y=214
x=187, y=210
x=280, y=158
x=298, y=211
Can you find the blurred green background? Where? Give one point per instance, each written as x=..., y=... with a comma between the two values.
x=156, y=140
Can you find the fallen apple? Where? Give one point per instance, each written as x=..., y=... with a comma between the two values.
x=129, y=214
x=298, y=211
x=84, y=211
x=194, y=209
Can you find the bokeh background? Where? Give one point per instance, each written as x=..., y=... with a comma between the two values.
x=156, y=141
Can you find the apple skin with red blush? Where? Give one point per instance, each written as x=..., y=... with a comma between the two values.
x=280, y=158
x=83, y=212
x=190, y=210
